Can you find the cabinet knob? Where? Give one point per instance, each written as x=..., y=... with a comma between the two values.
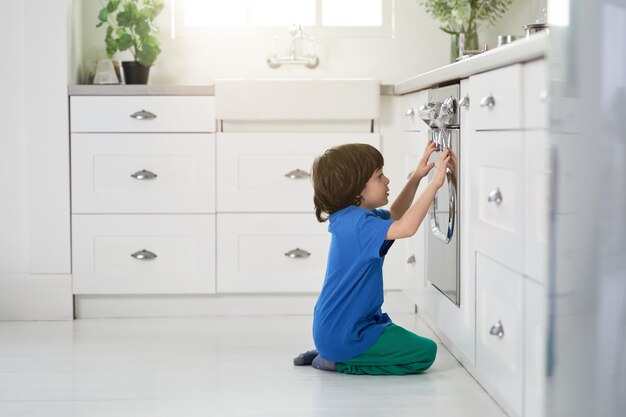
x=297, y=253
x=411, y=260
x=144, y=175
x=297, y=174
x=495, y=197
x=464, y=102
x=410, y=112
x=497, y=330
x=144, y=255
x=143, y=115
x=488, y=101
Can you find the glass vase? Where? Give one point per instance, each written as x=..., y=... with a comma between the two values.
x=471, y=43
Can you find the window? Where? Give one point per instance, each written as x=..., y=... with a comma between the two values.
x=273, y=17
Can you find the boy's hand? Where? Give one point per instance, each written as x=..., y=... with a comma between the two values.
x=440, y=172
x=423, y=166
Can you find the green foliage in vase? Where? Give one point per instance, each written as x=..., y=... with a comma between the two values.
x=130, y=27
x=463, y=16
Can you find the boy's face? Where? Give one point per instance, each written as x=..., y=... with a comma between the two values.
x=376, y=191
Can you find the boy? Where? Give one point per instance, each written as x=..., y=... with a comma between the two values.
x=351, y=333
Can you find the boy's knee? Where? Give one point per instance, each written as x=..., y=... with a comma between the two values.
x=430, y=350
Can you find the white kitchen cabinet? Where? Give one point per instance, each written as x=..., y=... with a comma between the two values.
x=143, y=194
x=500, y=330
x=271, y=252
x=142, y=173
x=270, y=172
x=498, y=200
x=536, y=95
x=535, y=347
x=411, y=104
x=496, y=98
x=143, y=254
x=142, y=114
x=537, y=175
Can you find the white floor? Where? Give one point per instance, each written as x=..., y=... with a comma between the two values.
x=216, y=366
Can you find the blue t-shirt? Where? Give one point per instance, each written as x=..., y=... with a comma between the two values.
x=347, y=318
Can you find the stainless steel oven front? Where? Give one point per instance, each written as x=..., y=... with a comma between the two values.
x=442, y=242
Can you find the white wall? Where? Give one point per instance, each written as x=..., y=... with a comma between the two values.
x=35, y=281
x=13, y=146
x=418, y=46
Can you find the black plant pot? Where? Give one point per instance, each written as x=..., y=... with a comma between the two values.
x=135, y=73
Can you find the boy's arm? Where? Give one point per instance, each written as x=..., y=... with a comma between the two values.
x=405, y=198
x=408, y=223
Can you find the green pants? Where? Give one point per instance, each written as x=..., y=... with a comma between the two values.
x=396, y=352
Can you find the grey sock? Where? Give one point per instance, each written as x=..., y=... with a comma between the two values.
x=305, y=358
x=323, y=364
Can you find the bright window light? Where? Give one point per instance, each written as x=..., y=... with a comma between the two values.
x=282, y=12
x=352, y=13
x=558, y=12
x=214, y=13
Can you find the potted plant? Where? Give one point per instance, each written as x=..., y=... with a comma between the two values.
x=464, y=16
x=130, y=27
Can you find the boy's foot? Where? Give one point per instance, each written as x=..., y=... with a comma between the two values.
x=323, y=364
x=305, y=358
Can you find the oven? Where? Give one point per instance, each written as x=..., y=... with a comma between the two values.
x=442, y=241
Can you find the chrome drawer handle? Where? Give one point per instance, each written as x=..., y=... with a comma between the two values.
x=497, y=330
x=297, y=174
x=495, y=197
x=488, y=101
x=297, y=253
x=143, y=115
x=411, y=260
x=464, y=102
x=410, y=112
x=144, y=175
x=144, y=255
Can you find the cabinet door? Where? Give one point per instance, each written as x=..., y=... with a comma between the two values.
x=497, y=99
x=147, y=254
x=498, y=200
x=143, y=173
x=271, y=252
x=499, y=330
x=270, y=172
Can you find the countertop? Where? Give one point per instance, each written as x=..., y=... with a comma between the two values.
x=140, y=90
x=521, y=50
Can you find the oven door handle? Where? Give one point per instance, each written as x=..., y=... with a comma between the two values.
x=434, y=218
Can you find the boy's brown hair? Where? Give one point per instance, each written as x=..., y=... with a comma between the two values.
x=340, y=175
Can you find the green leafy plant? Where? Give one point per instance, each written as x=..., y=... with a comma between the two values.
x=130, y=24
x=463, y=16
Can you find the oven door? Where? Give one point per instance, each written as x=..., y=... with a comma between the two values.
x=442, y=256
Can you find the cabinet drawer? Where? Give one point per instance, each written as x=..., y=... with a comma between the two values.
x=496, y=99
x=270, y=172
x=103, y=247
x=253, y=252
x=536, y=90
x=499, y=307
x=142, y=114
x=114, y=173
x=411, y=104
x=498, y=203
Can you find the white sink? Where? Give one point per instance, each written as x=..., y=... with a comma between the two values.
x=297, y=99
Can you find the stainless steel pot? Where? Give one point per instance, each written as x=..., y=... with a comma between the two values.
x=535, y=28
